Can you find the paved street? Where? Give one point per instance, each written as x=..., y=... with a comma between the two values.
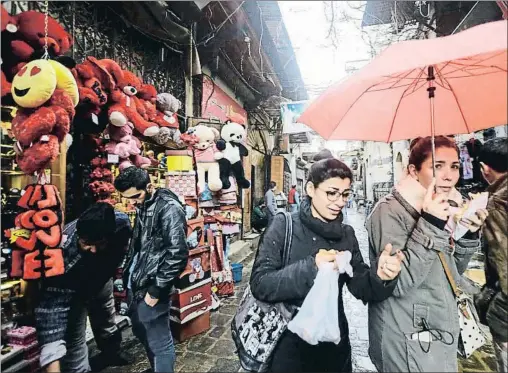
x=214, y=350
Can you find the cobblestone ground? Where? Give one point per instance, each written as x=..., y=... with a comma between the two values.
x=214, y=351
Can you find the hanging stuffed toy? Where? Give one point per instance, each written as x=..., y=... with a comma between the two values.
x=231, y=145
x=206, y=155
x=47, y=93
x=37, y=235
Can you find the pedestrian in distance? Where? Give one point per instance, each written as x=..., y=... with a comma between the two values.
x=157, y=255
x=270, y=201
x=294, y=199
x=93, y=247
x=492, y=302
x=417, y=328
x=319, y=235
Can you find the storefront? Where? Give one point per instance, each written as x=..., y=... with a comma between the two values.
x=60, y=181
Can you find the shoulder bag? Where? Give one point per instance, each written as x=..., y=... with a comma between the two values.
x=258, y=326
x=471, y=337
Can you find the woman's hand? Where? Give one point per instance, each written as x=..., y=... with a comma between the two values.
x=436, y=205
x=475, y=222
x=389, y=265
x=325, y=256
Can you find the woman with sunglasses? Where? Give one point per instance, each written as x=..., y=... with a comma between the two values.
x=318, y=236
x=417, y=328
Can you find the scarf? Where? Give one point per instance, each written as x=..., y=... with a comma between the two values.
x=330, y=230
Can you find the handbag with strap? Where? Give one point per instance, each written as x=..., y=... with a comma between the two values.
x=258, y=326
x=471, y=337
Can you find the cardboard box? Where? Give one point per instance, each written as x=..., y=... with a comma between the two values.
x=197, y=269
x=179, y=160
x=187, y=304
x=182, y=332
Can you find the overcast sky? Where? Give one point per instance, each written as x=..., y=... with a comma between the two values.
x=321, y=63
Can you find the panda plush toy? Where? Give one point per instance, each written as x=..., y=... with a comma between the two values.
x=231, y=145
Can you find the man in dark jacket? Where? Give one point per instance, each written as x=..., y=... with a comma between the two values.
x=93, y=248
x=157, y=256
x=493, y=161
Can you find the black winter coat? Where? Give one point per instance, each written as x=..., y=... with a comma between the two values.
x=271, y=283
x=159, y=239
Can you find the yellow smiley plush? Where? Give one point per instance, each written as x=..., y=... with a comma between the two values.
x=34, y=84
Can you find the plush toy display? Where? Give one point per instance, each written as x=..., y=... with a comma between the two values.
x=47, y=93
x=125, y=105
x=168, y=106
x=148, y=96
x=128, y=148
x=94, y=83
x=37, y=234
x=233, y=134
x=206, y=155
x=27, y=39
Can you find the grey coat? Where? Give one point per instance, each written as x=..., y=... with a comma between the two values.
x=422, y=291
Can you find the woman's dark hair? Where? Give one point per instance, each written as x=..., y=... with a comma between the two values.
x=132, y=177
x=323, y=154
x=261, y=202
x=494, y=154
x=96, y=223
x=421, y=149
x=328, y=168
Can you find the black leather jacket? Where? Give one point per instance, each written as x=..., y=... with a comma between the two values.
x=159, y=240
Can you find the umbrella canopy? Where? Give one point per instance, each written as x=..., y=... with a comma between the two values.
x=388, y=99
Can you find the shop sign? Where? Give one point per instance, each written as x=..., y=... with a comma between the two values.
x=299, y=138
x=217, y=105
x=290, y=112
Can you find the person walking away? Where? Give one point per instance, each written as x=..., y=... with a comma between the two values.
x=318, y=236
x=259, y=219
x=281, y=200
x=494, y=167
x=294, y=199
x=417, y=328
x=270, y=202
x=157, y=255
x=93, y=248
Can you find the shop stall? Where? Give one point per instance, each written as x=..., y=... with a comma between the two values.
x=68, y=128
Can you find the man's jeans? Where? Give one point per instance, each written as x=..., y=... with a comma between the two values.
x=293, y=207
x=73, y=352
x=151, y=326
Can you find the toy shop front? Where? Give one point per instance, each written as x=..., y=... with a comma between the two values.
x=69, y=126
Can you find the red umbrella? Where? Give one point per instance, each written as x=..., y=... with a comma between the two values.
x=464, y=75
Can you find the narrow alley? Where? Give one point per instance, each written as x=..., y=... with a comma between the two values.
x=214, y=351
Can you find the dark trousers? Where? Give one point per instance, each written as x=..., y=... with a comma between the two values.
x=293, y=354
x=100, y=308
x=151, y=326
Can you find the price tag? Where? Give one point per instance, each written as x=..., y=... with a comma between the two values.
x=113, y=158
x=95, y=119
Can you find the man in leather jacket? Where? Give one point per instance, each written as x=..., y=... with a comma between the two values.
x=494, y=168
x=157, y=256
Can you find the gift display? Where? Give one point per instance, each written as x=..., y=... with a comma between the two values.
x=192, y=302
x=182, y=183
x=197, y=268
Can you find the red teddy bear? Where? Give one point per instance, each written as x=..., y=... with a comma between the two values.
x=26, y=37
x=94, y=84
x=126, y=106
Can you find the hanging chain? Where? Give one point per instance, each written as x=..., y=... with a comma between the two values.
x=46, y=18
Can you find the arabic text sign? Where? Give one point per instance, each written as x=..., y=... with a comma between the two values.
x=216, y=104
x=290, y=112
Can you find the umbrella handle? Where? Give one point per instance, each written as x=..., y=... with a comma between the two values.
x=431, y=89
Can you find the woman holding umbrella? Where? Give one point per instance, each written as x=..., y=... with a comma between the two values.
x=417, y=328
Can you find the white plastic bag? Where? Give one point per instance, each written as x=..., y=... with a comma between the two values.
x=318, y=318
